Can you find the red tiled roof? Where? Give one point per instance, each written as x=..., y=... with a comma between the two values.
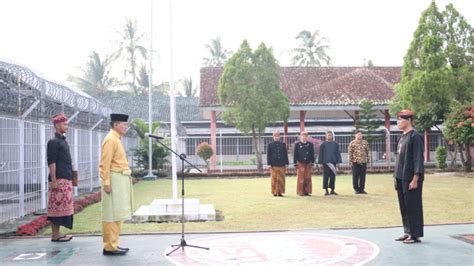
x=319, y=85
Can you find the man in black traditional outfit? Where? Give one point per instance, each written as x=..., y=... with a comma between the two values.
x=60, y=199
x=409, y=174
x=329, y=157
x=277, y=159
x=303, y=158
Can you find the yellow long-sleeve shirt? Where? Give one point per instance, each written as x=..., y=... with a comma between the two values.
x=113, y=157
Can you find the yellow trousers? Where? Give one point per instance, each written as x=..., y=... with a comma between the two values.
x=111, y=235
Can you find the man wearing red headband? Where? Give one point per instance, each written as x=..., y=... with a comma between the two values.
x=409, y=174
x=60, y=200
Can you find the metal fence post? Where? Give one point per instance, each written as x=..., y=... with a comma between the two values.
x=21, y=170
x=43, y=166
x=91, y=172
x=220, y=150
x=76, y=154
x=99, y=151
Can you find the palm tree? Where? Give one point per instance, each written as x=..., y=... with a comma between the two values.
x=189, y=91
x=312, y=49
x=130, y=49
x=143, y=83
x=143, y=80
x=95, y=79
x=218, y=55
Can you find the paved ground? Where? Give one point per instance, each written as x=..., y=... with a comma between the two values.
x=440, y=246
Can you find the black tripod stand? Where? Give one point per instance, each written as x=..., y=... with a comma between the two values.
x=182, y=243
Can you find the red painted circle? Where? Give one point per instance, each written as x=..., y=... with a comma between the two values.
x=276, y=248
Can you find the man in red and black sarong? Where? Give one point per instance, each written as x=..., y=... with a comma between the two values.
x=60, y=198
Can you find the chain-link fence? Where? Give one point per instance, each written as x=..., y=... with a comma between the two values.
x=27, y=103
x=23, y=166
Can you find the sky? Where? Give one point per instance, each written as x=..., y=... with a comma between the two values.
x=55, y=37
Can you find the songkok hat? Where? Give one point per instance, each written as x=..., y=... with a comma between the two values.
x=304, y=133
x=118, y=118
x=59, y=118
x=405, y=114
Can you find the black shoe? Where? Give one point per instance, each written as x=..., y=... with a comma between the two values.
x=114, y=252
x=356, y=192
x=334, y=193
x=326, y=193
x=124, y=249
x=362, y=192
x=280, y=195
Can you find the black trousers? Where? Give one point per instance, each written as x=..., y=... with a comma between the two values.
x=329, y=178
x=358, y=176
x=411, y=207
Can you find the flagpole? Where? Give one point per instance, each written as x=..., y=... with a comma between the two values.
x=172, y=108
x=150, y=86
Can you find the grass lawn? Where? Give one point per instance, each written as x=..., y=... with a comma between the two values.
x=247, y=204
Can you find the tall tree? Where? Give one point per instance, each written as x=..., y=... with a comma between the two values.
x=424, y=85
x=368, y=63
x=143, y=83
x=217, y=54
x=367, y=122
x=311, y=50
x=459, y=47
x=143, y=79
x=131, y=50
x=95, y=79
x=189, y=90
x=249, y=90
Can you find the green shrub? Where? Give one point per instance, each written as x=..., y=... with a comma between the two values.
x=441, y=155
x=204, y=150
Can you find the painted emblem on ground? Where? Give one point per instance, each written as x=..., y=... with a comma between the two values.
x=40, y=256
x=276, y=248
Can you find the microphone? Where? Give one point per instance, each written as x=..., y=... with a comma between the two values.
x=153, y=136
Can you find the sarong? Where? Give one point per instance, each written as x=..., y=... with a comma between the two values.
x=61, y=203
x=278, y=179
x=118, y=205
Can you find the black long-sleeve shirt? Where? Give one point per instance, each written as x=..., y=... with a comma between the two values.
x=304, y=153
x=58, y=153
x=277, y=155
x=329, y=153
x=410, y=158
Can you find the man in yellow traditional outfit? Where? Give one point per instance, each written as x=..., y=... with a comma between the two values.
x=116, y=185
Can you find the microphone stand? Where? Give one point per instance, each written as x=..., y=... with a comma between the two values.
x=182, y=242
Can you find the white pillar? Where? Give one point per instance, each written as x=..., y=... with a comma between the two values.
x=43, y=166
